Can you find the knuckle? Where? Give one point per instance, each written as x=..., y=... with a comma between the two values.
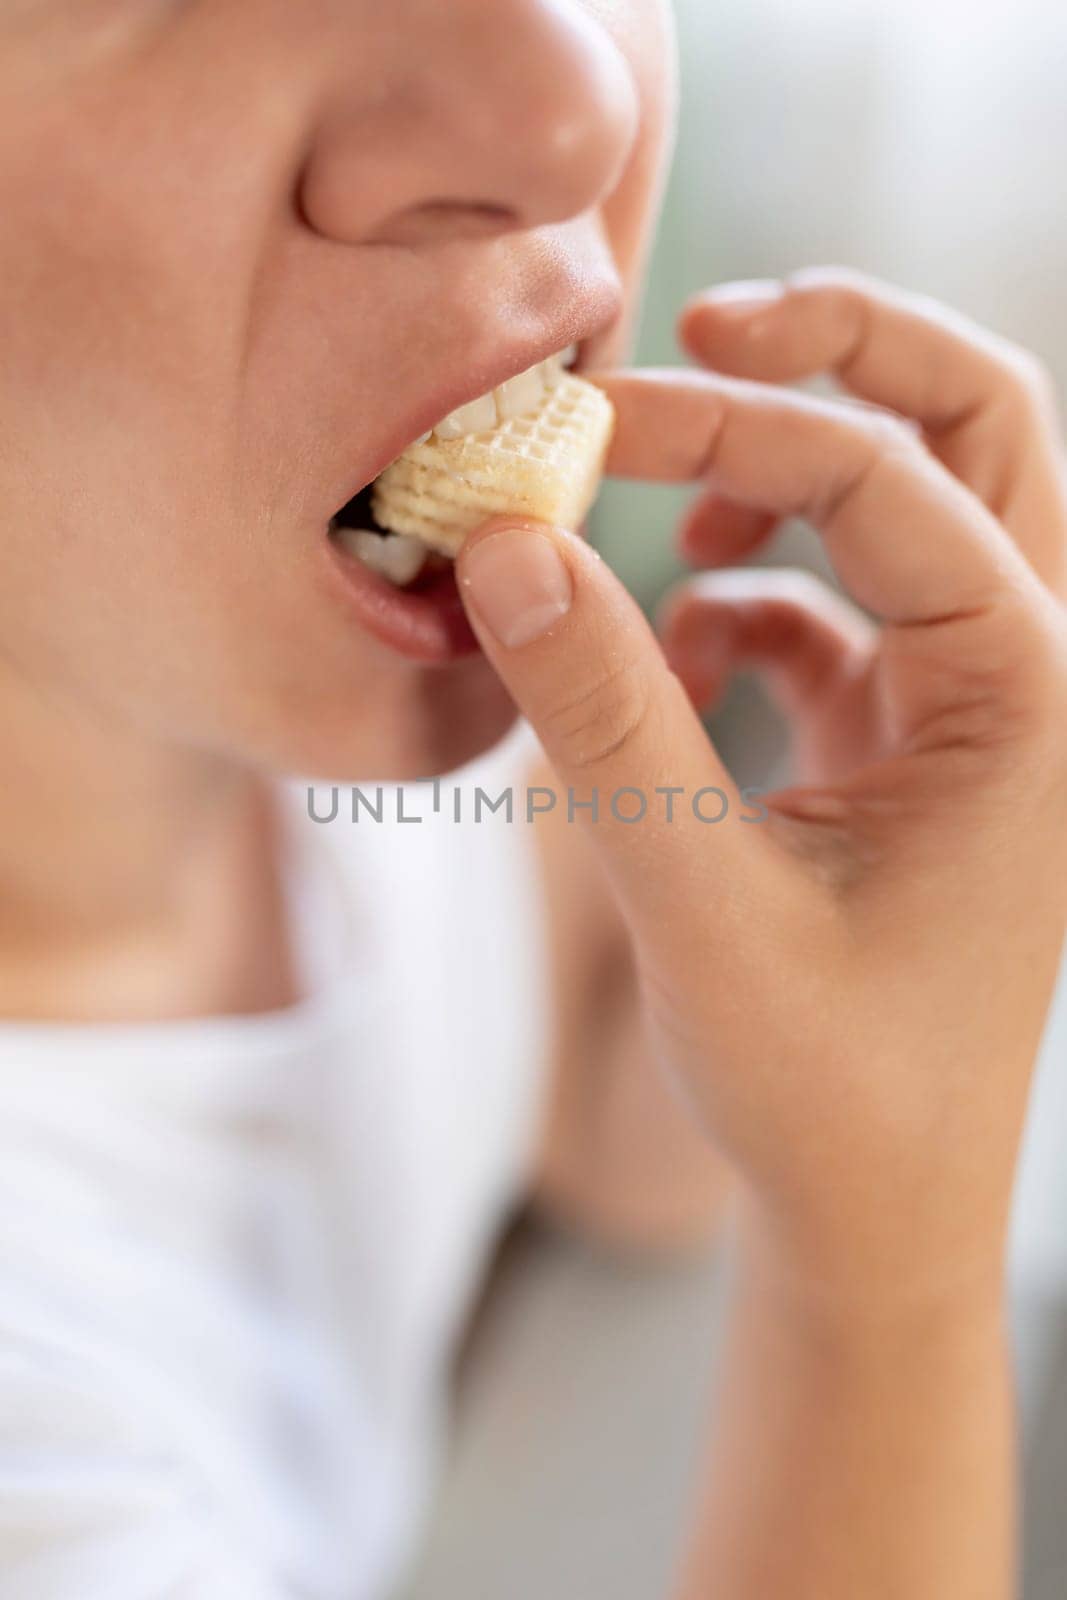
x=1027, y=660
x=846, y=296
x=886, y=441
x=603, y=719
x=1029, y=380
x=1049, y=653
x=892, y=438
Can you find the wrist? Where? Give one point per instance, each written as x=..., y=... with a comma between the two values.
x=881, y=1291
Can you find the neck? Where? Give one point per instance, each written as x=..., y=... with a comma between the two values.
x=136, y=879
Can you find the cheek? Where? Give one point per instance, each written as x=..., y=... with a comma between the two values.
x=644, y=30
x=121, y=323
x=116, y=418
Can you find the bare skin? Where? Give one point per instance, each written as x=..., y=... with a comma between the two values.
x=154, y=666
x=203, y=294
x=851, y=997
x=621, y=1158
x=193, y=384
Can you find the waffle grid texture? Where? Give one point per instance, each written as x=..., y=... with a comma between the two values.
x=546, y=465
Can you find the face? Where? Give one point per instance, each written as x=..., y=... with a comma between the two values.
x=251, y=250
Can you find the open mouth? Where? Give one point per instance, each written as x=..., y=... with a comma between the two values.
x=405, y=560
x=534, y=447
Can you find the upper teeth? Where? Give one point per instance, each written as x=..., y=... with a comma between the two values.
x=479, y=416
x=515, y=398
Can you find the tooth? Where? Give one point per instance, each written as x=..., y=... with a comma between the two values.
x=398, y=557
x=520, y=395
x=553, y=369
x=423, y=437
x=477, y=417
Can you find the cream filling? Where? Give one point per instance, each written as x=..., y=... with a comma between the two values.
x=399, y=558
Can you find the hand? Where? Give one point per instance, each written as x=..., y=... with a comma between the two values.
x=986, y=411
x=852, y=994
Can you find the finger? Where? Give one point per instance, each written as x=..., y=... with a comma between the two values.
x=899, y=350
x=716, y=532
x=805, y=641
x=987, y=406
x=584, y=667
x=909, y=542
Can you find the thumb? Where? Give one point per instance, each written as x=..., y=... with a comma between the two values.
x=584, y=668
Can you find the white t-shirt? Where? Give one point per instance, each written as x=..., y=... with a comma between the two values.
x=235, y=1255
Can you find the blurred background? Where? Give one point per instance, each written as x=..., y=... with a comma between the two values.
x=924, y=141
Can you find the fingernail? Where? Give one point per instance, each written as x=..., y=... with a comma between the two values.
x=737, y=301
x=518, y=584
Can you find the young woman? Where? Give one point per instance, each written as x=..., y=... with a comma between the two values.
x=265, y=1094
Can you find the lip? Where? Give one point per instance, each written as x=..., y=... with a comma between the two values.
x=425, y=622
x=587, y=320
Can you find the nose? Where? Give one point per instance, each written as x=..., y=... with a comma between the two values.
x=479, y=117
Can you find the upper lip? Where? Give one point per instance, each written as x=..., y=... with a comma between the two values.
x=588, y=315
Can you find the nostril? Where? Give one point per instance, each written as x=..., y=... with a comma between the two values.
x=450, y=219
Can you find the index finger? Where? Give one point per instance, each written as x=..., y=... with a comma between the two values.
x=909, y=541
x=988, y=407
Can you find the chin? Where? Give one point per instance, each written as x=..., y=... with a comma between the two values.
x=436, y=720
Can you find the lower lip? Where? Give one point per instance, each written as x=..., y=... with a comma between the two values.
x=425, y=622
